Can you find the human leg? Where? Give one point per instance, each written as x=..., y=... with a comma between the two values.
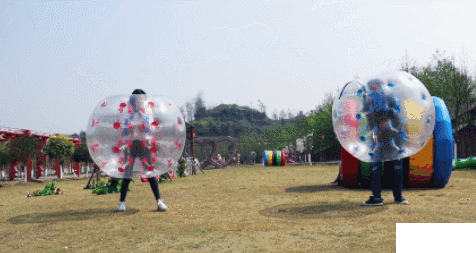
x=398, y=182
x=376, y=179
x=124, y=188
x=155, y=187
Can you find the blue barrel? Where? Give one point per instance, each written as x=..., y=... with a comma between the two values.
x=444, y=144
x=265, y=157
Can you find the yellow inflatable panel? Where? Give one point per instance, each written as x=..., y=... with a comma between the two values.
x=421, y=165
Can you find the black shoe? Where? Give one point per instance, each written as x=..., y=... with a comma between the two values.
x=401, y=201
x=373, y=202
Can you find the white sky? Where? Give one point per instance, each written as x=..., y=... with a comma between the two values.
x=58, y=59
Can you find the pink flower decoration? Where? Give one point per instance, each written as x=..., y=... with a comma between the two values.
x=169, y=162
x=103, y=164
x=95, y=122
x=121, y=107
x=104, y=104
x=142, y=110
x=152, y=105
x=153, y=142
x=95, y=147
x=130, y=109
x=143, y=126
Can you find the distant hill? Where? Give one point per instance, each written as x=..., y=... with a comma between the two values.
x=234, y=120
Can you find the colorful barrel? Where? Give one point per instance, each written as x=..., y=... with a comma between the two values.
x=270, y=158
x=444, y=144
x=350, y=169
x=283, y=158
x=421, y=166
x=278, y=158
x=265, y=157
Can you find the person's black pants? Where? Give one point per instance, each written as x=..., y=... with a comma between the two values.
x=154, y=185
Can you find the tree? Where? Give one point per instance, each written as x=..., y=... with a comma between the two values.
x=4, y=154
x=24, y=148
x=81, y=154
x=59, y=147
x=275, y=114
x=262, y=107
x=321, y=124
x=282, y=114
x=190, y=111
x=184, y=115
x=200, y=109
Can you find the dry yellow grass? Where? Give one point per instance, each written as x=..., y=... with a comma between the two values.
x=249, y=209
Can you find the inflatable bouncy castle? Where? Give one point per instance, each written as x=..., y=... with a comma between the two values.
x=429, y=167
x=274, y=158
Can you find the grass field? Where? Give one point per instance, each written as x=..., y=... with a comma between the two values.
x=247, y=209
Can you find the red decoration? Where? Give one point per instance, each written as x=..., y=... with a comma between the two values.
x=154, y=158
x=178, y=145
x=152, y=105
x=116, y=149
x=104, y=104
x=153, y=142
x=95, y=122
x=179, y=123
x=150, y=168
x=95, y=147
x=129, y=144
x=131, y=161
x=144, y=144
x=103, y=164
x=144, y=160
x=142, y=110
x=121, y=159
x=143, y=126
x=130, y=109
x=117, y=125
x=153, y=149
x=169, y=162
x=121, y=169
x=155, y=123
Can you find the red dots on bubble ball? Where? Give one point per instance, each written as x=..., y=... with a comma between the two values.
x=95, y=122
x=116, y=149
x=150, y=168
x=178, y=145
x=154, y=158
x=117, y=125
x=129, y=144
x=121, y=169
x=131, y=160
x=144, y=160
x=95, y=147
x=153, y=149
x=169, y=162
x=153, y=142
x=151, y=105
x=179, y=123
x=104, y=104
x=130, y=126
x=121, y=142
x=155, y=123
x=130, y=109
x=142, y=110
x=120, y=159
x=121, y=107
x=143, y=125
x=144, y=144
x=103, y=164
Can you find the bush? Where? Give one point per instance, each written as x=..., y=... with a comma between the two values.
x=102, y=187
x=182, y=167
x=48, y=190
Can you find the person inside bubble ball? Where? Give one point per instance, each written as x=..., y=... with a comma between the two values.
x=382, y=113
x=134, y=128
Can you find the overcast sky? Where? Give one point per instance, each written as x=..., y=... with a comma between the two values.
x=58, y=59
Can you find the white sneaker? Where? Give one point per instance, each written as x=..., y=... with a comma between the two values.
x=161, y=207
x=122, y=207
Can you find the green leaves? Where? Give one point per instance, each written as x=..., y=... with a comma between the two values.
x=5, y=153
x=59, y=147
x=24, y=148
x=81, y=154
x=48, y=190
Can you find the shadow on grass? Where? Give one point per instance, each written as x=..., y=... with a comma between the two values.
x=321, y=210
x=328, y=187
x=68, y=216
